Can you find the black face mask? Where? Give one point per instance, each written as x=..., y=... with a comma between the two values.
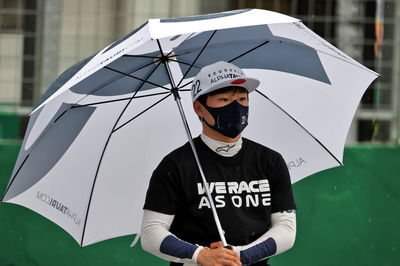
x=230, y=120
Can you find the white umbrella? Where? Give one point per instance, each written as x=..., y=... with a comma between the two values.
x=104, y=124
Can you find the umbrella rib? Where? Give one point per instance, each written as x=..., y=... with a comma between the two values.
x=100, y=87
x=117, y=100
x=142, y=112
x=183, y=63
x=9, y=185
x=110, y=101
x=104, y=149
x=141, y=56
x=143, y=80
x=186, y=85
x=184, y=53
x=198, y=55
x=249, y=51
x=123, y=74
x=141, y=67
x=302, y=44
x=297, y=122
x=115, y=79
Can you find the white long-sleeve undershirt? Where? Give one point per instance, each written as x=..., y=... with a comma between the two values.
x=158, y=240
x=155, y=231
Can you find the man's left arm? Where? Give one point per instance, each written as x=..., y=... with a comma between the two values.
x=282, y=233
x=279, y=238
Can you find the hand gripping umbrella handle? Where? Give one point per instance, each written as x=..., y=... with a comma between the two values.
x=213, y=209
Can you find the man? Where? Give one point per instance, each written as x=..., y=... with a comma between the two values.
x=250, y=185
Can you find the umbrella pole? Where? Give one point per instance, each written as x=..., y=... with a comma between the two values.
x=189, y=135
x=174, y=90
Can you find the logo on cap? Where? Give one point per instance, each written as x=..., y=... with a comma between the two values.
x=196, y=88
x=238, y=81
x=222, y=77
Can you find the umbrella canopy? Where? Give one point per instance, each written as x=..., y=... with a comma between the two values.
x=104, y=125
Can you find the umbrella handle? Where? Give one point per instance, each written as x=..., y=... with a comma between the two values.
x=212, y=204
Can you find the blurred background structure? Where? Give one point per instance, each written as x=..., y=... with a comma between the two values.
x=41, y=38
x=347, y=216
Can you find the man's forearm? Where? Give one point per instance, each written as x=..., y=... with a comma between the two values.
x=157, y=240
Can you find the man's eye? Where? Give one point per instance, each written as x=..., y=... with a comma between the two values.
x=223, y=99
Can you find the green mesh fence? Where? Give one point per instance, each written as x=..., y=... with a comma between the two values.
x=346, y=216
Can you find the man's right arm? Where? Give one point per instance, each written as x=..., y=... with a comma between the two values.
x=159, y=241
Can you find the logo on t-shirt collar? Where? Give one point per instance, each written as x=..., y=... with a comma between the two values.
x=225, y=148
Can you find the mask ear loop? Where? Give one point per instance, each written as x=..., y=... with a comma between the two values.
x=213, y=127
x=202, y=118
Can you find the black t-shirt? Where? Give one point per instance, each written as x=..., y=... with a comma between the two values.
x=246, y=189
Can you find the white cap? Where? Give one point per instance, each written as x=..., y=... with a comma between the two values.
x=220, y=75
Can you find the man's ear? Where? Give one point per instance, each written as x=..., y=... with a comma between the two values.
x=198, y=108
